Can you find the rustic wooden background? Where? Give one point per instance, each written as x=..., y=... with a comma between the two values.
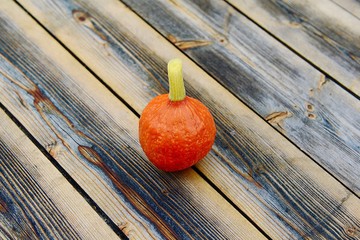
x=281, y=78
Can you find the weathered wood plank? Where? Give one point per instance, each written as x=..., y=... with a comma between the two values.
x=352, y=6
x=280, y=188
x=36, y=201
x=269, y=78
x=94, y=138
x=321, y=31
x=256, y=68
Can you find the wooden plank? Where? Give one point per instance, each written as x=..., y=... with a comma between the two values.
x=352, y=6
x=260, y=71
x=36, y=201
x=269, y=78
x=94, y=138
x=320, y=31
x=277, y=186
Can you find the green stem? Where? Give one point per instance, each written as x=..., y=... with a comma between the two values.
x=176, y=82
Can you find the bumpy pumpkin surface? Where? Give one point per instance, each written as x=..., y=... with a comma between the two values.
x=176, y=131
x=176, y=135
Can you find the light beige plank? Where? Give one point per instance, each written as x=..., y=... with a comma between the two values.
x=280, y=188
x=36, y=200
x=94, y=138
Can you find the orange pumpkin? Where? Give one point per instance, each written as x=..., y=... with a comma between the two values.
x=176, y=131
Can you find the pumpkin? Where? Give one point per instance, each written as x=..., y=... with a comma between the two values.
x=175, y=130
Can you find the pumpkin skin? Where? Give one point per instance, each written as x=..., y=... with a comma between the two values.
x=175, y=135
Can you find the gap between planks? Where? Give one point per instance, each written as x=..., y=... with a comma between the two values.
x=214, y=209
x=65, y=174
x=136, y=111
x=73, y=182
x=64, y=196
x=340, y=147
x=299, y=39
x=326, y=74
x=201, y=44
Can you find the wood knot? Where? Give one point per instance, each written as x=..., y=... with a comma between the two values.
x=310, y=107
x=80, y=16
x=352, y=231
x=311, y=116
x=309, y=111
x=88, y=21
x=223, y=40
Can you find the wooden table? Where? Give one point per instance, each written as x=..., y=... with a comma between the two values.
x=281, y=78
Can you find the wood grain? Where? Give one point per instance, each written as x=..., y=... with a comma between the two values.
x=253, y=66
x=36, y=201
x=352, y=6
x=269, y=78
x=94, y=138
x=276, y=185
x=321, y=31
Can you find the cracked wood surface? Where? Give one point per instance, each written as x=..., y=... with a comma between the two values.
x=282, y=190
x=94, y=136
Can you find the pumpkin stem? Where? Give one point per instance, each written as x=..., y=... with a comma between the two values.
x=176, y=82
